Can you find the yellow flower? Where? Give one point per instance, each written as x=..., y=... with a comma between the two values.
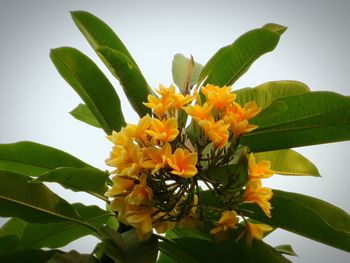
x=180, y=100
x=156, y=158
x=183, y=163
x=216, y=131
x=165, y=130
x=141, y=194
x=258, y=170
x=238, y=117
x=255, y=193
x=198, y=112
x=142, y=222
x=138, y=131
x=162, y=225
x=228, y=220
x=135, y=209
x=256, y=231
x=219, y=97
x=161, y=105
x=126, y=157
x=120, y=185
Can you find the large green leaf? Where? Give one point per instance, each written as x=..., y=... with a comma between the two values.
x=90, y=180
x=55, y=235
x=33, y=202
x=300, y=120
x=306, y=216
x=264, y=94
x=28, y=256
x=185, y=71
x=84, y=114
x=288, y=162
x=91, y=85
x=131, y=79
x=232, y=61
x=192, y=250
x=127, y=248
x=33, y=159
x=98, y=33
x=72, y=257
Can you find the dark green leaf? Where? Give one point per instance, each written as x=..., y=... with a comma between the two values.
x=83, y=113
x=8, y=244
x=33, y=202
x=286, y=249
x=91, y=85
x=55, y=235
x=232, y=61
x=98, y=33
x=288, y=162
x=308, y=217
x=300, y=120
x=33, y=159
x=72, y=257
x=181, y=67
x=28, y=256
x=126, y=248
x=90, y=180
x=131, y=79
x=264, y=94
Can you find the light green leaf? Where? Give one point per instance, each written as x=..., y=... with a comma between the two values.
x=98, y=33
x=300, y=120
x=286, y=249
x=306, y=216
x=33, y=159
x=264, y=94
x=90, y=180
x=33, y=202
x=131, y=79
x=55, y=235
x=288, y=162
x=91, y=85
x=72, y=257
x=185, y=72
x=232, y=61
x=83, y=113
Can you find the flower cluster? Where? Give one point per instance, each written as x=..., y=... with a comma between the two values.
x=165, y=161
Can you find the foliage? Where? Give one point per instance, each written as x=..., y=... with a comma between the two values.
x=192, y=168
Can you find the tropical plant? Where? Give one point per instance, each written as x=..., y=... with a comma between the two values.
x=186, y=184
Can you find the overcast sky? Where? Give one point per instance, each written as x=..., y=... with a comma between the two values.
x=35, y=100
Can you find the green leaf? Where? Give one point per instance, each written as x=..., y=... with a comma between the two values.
x=33, y=202
x=300, y=120
x=288, y=162
x=91, y=85
x=72, y=257
x=306, y=216
x=232, y=61
x=264, y=94
x=7, y=244
x=83, y=113
x=90, y=180
x=131, y=79
x=28, y=256
x=98, y=33
x=185, y=71
x=33, y=159
x=286, y=249
x=126, y=248
x=55, y=235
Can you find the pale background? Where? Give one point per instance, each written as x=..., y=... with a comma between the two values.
x=35, y=100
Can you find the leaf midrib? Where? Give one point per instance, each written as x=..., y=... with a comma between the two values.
x=86, y=94
x=48, y=212
x=30, y=245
